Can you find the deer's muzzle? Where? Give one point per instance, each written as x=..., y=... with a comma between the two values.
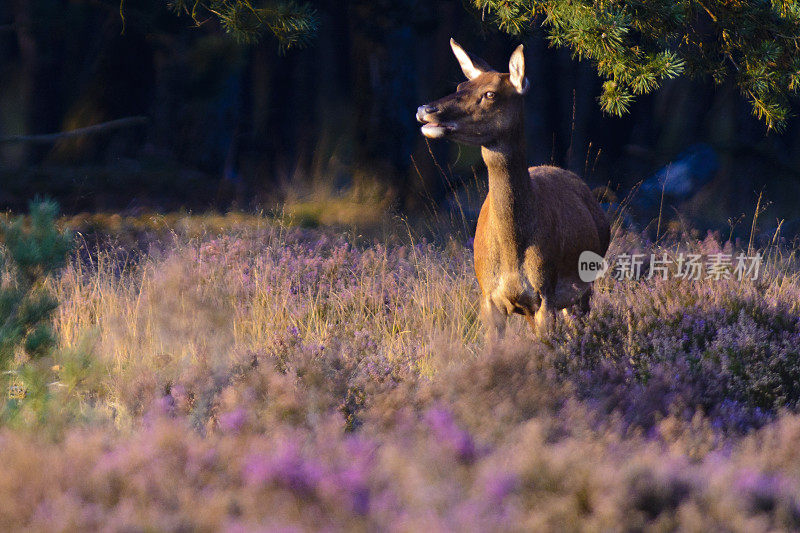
x=431, y=128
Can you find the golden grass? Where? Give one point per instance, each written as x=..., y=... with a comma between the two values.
x=212, y=300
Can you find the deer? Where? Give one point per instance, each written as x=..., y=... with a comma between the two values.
x=535, y=222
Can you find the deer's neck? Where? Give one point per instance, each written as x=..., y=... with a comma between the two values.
x=511, y=197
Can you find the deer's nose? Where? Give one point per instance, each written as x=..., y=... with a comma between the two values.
x=424, y=110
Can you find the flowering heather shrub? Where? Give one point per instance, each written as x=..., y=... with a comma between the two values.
x=270, y=378
x=729, y=347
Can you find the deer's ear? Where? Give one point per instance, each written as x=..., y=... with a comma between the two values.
x=516, y=66
x=471, y=65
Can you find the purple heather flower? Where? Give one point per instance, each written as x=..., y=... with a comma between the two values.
x=500, y=485
x=445, y=428
x=286, y=468
x=233, y=421
x=765, y=491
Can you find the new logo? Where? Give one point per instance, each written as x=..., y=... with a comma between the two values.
x=591, y=266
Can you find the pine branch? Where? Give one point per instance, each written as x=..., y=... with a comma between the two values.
x=293, y=25
x=638, y=44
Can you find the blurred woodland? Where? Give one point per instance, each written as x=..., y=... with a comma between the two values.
x=250, y=125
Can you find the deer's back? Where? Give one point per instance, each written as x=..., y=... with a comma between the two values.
x=568, y=216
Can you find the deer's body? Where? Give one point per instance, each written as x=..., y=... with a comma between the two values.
x=529, y=246
x=535, y=222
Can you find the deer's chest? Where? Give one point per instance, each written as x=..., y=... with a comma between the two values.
x=507, y=288
x=507, y=266
x=514, y=293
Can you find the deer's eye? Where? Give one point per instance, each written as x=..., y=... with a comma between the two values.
x=489, y=95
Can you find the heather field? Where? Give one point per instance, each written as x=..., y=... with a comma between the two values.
x=239, y=373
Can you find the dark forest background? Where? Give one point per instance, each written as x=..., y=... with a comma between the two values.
x=244, y=126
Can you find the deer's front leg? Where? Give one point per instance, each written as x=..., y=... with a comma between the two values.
x=494, y=319
x=545, y=317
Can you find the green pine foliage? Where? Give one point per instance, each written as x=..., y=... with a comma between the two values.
x=292, y=24
x=637, y=44
x=30, y=251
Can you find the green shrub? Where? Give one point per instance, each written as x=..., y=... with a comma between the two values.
x=31, y=249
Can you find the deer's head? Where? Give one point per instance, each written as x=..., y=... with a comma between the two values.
x=485, y=109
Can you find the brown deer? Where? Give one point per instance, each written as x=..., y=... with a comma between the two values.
x=535, y=222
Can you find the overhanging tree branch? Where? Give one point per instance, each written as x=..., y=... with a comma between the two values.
x=292, y=24
x=638, y=44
